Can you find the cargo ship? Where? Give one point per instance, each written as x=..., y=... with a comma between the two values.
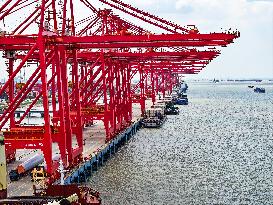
x=51, y=194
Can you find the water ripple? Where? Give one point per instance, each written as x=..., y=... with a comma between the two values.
x=219, y=150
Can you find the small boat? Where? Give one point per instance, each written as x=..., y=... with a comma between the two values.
x=259, y=90
x=216, y=81
x=251, y=86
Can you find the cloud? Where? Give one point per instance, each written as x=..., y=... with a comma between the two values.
x=231, y=12
x=260, y=0
x=250, y=55
x=210, y=14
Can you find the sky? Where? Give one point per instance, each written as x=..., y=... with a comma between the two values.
x=251, y=56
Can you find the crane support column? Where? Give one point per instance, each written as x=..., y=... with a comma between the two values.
x=3, y=170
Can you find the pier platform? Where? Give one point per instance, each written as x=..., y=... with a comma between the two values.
x=95, y=150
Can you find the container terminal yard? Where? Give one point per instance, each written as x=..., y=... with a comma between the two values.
x=98, y=77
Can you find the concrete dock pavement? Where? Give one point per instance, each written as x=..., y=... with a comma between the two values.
x=94, y=140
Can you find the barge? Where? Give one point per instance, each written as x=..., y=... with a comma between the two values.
x=181, y=99
x=171, y=109
x=154, y=118
x=168, y=106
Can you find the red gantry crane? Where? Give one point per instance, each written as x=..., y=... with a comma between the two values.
x=83, y=60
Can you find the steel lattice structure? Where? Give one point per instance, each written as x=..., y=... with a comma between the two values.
x=81, y=61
